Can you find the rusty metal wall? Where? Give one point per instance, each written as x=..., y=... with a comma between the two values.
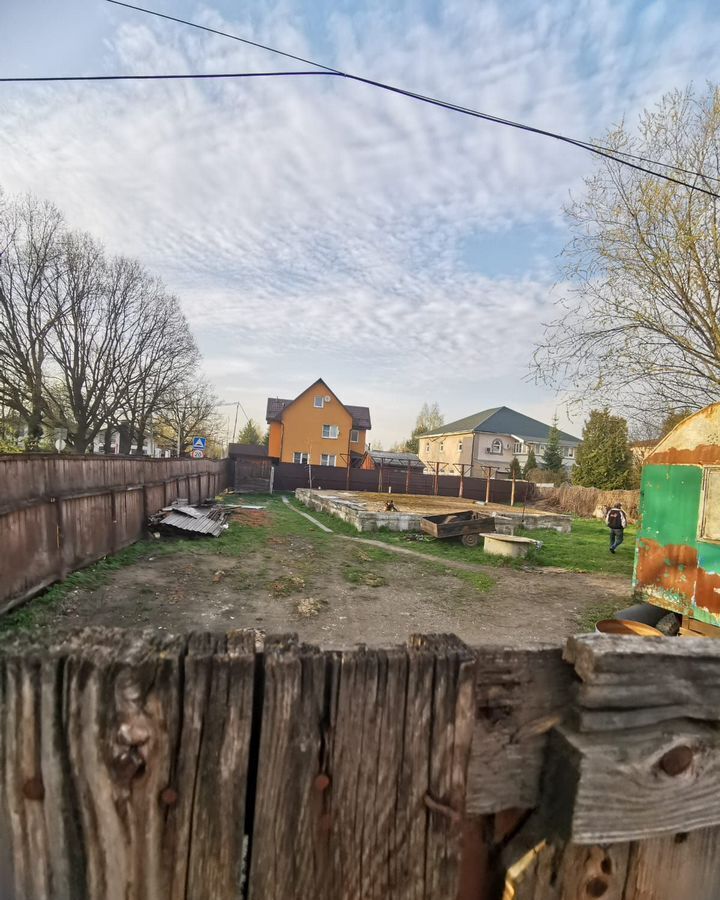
x=59, y=513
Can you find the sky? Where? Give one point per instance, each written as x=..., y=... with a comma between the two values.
x=318, y=227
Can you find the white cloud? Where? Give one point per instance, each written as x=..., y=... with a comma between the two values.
x=313, y=227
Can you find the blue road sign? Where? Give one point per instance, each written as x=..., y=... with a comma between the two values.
x=199, y=443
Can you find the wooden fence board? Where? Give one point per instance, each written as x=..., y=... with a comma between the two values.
x=60, y=513
x=141, y=767
x=521, y=693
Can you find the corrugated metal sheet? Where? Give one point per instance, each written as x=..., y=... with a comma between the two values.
x=204, y=525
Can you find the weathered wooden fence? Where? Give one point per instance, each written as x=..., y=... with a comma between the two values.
x=59, y=513
x=157, y=768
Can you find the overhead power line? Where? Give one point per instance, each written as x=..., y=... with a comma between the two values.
x=189, y=76
x=599, y=150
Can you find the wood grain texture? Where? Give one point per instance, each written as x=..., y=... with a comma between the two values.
x=675, y=867
x=618, y=786
x=95, y=732
x=521, y=693
x=361, y=797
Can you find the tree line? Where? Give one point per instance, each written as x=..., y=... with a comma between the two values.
x=91, y=343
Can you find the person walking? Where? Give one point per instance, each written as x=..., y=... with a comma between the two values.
x=616, y=520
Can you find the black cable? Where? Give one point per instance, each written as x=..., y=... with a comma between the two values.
x=158, y=77
x=434, y=101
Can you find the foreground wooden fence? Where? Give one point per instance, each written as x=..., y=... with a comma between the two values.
x=157, y=768
x=59, y=513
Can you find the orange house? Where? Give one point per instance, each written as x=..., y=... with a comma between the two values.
x=316, y=428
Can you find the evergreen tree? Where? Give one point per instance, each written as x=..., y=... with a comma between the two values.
x=515, y=468
x=604, y=459
x=530, y=463
x=250, y=434
x=266, y=438
x=552, y=458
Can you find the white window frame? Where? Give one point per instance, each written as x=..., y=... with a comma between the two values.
x=330, y=428
x=319, y=405
x=427, y=446
x=460, y=446
x=571, y=452
x=328, y=459
x=354, y=435
x=518, y=448
x=496, y=447
x=304, y=458
x=441, y=445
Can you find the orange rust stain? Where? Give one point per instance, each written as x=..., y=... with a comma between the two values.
x=661, y=566
x=704, y=455
x=707, y=591
x=675, y=569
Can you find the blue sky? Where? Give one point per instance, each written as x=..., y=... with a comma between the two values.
x=319, y=227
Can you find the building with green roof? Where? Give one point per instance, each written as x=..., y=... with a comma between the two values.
x=489, y=440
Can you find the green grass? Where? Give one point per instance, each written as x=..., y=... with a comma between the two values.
x=586, y=549
x=593, y=614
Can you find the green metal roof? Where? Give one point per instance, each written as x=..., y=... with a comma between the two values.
x=502, y=420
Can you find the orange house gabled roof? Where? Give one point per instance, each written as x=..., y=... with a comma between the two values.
x=276, y=406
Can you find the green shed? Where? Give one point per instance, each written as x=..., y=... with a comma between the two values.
x=677, y=559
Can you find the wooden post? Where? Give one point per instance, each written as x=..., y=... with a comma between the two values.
x=461, y=488
x=436, y=480
x=512, y=490
x=487, y=484
x=407, y=479
x=380, y=478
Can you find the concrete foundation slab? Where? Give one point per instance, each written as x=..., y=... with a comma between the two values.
x=365, y=511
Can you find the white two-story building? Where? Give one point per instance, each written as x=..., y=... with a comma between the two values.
x=489, y=440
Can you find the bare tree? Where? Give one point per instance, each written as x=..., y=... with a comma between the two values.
x=162, y=352
x=639, y=328
x=87, y=342
x=29, y=267
x=189, y=412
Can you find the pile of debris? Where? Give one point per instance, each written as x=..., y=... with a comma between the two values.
x=206, y=519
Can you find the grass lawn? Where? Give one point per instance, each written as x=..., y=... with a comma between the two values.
x=585, y=549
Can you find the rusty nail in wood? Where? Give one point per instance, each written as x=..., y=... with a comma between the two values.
x=169, y=796
x=676, y=761
x=34, y=789
x=322, y=782
x=442, y=808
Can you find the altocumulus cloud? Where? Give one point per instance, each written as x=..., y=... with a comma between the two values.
x=315, y=226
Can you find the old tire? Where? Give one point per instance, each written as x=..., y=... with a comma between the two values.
x=470, y=540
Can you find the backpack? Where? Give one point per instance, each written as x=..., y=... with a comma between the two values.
x=615, y=518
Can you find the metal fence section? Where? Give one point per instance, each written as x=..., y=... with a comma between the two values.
x=59, y=513
x=290, y=476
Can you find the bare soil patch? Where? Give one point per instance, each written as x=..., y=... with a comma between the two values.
x=335, y=592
